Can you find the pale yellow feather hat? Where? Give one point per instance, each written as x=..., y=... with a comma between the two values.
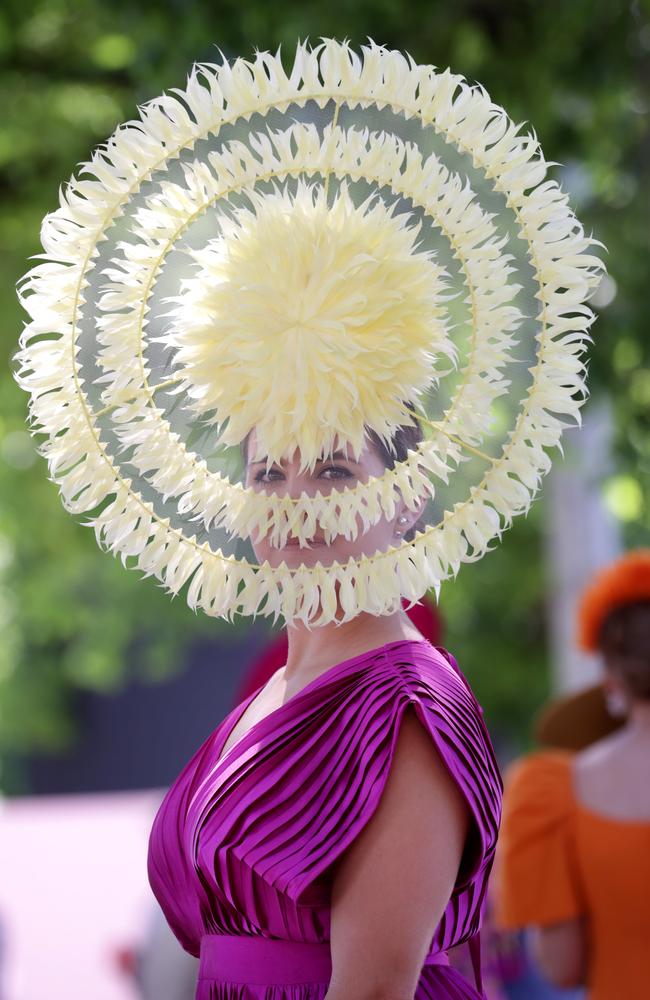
x=315, y=254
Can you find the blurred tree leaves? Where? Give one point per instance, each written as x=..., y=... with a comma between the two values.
x=73, y=69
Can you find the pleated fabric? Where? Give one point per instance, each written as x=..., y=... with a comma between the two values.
x=241, y=847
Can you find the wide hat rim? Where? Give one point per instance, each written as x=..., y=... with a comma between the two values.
x=576, y=720
x=53, y=293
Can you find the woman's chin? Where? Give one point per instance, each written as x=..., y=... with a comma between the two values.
x=295, y=556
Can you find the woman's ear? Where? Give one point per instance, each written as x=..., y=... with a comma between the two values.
x=617, y=697
x=405, y=518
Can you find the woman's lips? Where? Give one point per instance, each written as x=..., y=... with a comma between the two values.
x=293, y=543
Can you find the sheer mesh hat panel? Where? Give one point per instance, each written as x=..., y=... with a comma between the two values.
x=343, y=248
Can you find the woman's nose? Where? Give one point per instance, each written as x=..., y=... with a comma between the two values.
x=295, y=485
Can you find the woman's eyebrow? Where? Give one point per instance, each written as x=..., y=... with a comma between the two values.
x=338, y=455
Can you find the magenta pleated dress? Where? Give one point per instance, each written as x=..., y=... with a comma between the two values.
x=241, y=847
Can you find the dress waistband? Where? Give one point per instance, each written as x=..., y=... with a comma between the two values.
x=263, y=961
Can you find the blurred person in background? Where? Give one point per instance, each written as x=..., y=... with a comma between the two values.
x=574, y=854
x=161, y=969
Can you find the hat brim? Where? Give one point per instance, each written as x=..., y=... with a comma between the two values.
x=137, y=443
x=575, y=721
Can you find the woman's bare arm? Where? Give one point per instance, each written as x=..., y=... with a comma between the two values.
x=560, y=952
x=392, y=884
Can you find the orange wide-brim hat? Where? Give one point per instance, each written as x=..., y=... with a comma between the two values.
x=575, y=720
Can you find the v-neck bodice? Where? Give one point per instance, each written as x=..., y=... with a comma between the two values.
x=231, y=722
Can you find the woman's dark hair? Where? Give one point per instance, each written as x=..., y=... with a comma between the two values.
x=405, y=439
x=624, y=641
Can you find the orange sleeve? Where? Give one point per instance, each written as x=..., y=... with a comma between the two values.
x=536, y=878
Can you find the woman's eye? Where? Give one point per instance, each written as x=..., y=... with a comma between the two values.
x=260, y=477
x=339, y=473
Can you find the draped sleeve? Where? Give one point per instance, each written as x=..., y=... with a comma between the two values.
x=360, y=751
x=536, y=874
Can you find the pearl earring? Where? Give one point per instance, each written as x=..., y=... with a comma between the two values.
x=401, y=520
x=617, y=704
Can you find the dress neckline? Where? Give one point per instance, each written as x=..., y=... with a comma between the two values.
x=270, y=717
x=594, y=815
x=619, y=821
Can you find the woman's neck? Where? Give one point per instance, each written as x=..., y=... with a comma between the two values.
x=639, y=718
x=311, y=652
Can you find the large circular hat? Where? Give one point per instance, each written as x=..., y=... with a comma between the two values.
x=317, y=255
x=575, y=721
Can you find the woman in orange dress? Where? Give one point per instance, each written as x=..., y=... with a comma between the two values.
x=574, y=851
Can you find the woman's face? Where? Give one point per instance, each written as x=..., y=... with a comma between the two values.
x=336, y=473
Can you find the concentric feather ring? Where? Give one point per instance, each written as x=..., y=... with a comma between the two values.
x=314, y=255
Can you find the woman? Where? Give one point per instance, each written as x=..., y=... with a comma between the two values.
x=323, y=812
x=574, y=855
x=336, y=274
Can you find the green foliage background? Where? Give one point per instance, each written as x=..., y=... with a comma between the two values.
x=71, y=70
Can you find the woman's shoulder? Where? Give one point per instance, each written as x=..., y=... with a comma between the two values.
x=611, y=780
x=429, y=678
x=535, y=876
x=542, y=773
x=613, y=748
x=538, y=795
x=431, y=674
x=418, y=658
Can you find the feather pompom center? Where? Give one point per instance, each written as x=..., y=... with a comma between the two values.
x=311, y=322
